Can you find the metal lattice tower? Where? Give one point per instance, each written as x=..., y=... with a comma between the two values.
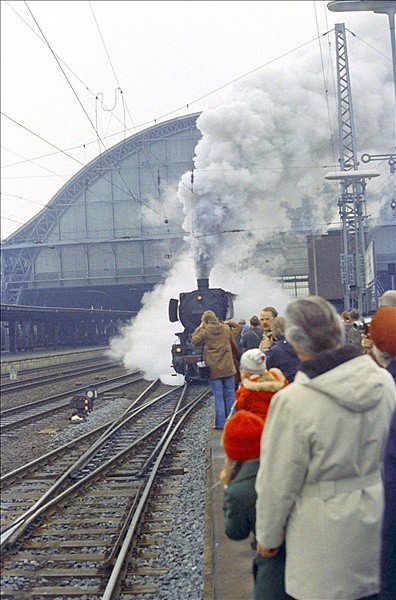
x=351, y=202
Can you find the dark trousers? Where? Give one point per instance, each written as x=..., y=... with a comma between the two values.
x=269, y=577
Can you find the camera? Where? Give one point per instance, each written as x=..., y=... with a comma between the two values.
x=363, y=325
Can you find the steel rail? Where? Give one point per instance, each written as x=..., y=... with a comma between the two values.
x=32, y=406
x=32, y=465
x=12, y=533
x=8, y=388
x=167, y=438
x=72, y=392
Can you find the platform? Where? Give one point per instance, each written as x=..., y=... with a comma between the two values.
x=228, y=570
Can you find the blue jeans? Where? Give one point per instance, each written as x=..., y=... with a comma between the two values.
x=223, y=390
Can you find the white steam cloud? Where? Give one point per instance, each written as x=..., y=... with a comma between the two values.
x=259, y=171
x=145, y=343
x=261, y=162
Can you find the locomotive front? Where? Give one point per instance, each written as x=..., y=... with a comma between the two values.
x=189, y=310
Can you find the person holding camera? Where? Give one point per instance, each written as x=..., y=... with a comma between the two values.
x=354, y=334
x=217, y=341
x=267, y=316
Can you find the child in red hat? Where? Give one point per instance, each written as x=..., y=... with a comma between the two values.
x=241, y=442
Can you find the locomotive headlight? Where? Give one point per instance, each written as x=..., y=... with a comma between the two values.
x=178, y=350
x=199, y=298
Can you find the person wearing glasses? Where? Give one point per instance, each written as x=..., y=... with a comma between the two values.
x=267, y=315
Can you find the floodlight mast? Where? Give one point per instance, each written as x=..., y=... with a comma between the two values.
x=353, y=183
x=351, y=205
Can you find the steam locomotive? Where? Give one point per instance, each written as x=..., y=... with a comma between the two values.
x=189, y=310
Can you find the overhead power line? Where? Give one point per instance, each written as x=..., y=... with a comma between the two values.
x=66, y=77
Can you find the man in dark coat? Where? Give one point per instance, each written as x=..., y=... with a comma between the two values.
x=283, y=356
x=252, y=337
x=383, y=337
x=388, y=548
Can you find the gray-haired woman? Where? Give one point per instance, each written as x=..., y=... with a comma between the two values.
x=319, y=485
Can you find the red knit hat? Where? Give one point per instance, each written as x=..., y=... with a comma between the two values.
x=242, y=435
x=383, y=329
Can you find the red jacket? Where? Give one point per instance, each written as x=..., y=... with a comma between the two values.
x=255, y=394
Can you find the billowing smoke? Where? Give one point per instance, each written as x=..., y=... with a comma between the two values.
x=145, y=343
x=258, y=174
x=261, y=162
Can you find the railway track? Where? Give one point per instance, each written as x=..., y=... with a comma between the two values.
x=10, y=387
x=33, y=362
x=93, y=527
x=14, y=417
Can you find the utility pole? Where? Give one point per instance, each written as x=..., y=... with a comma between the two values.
x=353, y=183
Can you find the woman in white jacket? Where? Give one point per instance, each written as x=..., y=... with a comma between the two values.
x=319, y=485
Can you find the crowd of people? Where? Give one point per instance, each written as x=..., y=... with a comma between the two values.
x=307, y=408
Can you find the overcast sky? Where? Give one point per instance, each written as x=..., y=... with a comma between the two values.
x=147, y=62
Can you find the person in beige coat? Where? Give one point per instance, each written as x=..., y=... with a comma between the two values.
x=319, y=485
x=216, y=339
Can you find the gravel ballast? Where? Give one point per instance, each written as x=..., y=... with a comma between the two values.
x=183, y=549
